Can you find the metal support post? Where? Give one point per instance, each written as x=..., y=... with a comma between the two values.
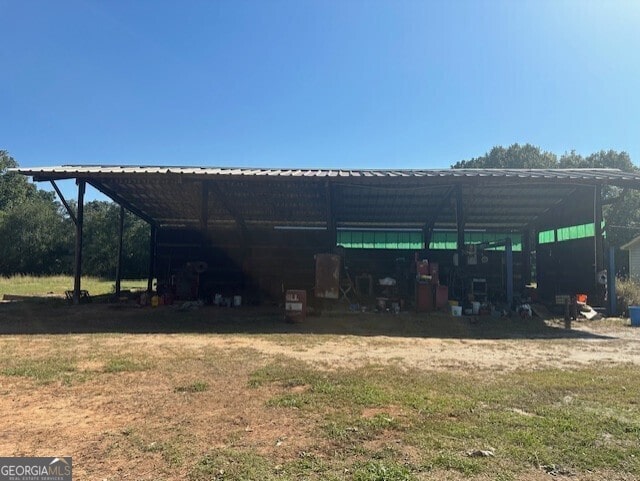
x=152, y=258
x=598, y=260
x=526, y=257
x=462, y=259
x=508, y=247
x=611, y=283
x=78, y=257
x=119, y=263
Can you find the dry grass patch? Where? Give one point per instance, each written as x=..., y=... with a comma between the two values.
x=266, y=404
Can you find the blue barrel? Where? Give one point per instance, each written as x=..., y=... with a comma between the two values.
x=634, y=314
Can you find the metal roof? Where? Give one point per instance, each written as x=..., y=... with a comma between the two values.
x=609, y=175
x=492, y=198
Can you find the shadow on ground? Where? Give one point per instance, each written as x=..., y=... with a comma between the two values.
x=55, y=316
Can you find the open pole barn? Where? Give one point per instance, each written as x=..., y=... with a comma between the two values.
x=488, y=234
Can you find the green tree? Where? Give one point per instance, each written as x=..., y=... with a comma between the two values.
x=37, y=236
x=34, y=238
x=101, y=241
x=33, y=234
x=100, y=238
x=515, y=156
x=135, y=255
x=609, y=159
x=14, y=187
x=622, y=216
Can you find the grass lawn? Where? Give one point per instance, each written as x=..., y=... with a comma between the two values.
x=290, y=402
x=56, y=285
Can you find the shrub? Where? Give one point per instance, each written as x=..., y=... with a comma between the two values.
x=628, y=294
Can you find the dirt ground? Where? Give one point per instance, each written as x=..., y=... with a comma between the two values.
x=140, y=422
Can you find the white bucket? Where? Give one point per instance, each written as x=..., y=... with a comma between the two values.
x=456, y=311
x=237, y=301
x=476, y=307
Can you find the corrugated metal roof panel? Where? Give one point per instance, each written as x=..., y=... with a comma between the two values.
x=514, y=197
x=585, y=174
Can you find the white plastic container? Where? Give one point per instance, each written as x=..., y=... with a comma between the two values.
x=476, y=307
x=237, y=301
x=456, y=311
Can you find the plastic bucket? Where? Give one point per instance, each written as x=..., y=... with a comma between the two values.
x=476, y=307
x=634, y=314
x=456, y=311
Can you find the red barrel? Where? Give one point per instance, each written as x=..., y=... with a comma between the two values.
x=442, y=297
x=295, y=305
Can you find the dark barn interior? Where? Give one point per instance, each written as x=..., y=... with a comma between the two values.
x=488, y=234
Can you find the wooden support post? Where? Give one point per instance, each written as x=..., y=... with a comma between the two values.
x=567, y=314
x=462, y=259
x=78, y=257
x=152, y=258
x=119, y=262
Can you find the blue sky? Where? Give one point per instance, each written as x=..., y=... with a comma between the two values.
x=331, y=84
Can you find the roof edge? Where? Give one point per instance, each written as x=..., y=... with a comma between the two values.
x=630, y=244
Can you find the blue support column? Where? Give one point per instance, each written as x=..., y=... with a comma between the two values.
x=611, y=283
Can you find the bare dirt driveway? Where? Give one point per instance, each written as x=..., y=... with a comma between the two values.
x=213, y=394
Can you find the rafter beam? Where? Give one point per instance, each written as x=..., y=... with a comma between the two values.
x=120, y=200
x=557, y=205
x=64, y=202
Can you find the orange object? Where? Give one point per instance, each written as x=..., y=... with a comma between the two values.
x=581, y=298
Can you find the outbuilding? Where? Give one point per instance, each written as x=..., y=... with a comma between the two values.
x=257, y=231
x=633, y=247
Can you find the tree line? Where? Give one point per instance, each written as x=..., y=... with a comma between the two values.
x=622, y=215
x=37, y=236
